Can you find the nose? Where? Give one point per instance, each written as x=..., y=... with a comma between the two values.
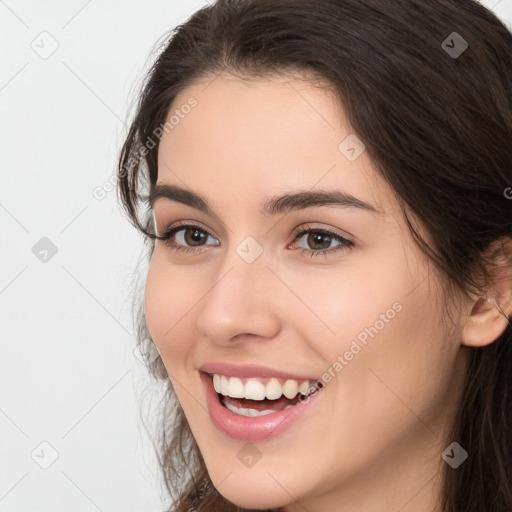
x=241, y=303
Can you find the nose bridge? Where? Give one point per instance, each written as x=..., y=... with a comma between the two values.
x=239, y=299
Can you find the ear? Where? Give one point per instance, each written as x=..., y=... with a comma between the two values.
x=490, y=313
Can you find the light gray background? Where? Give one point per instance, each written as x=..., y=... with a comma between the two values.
x=68, y=373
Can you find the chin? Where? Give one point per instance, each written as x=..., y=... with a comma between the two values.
x=260, y=487
x=247, y=494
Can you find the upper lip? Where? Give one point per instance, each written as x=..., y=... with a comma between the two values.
x=250, y=370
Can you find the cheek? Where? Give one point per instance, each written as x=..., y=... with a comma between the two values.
x=359, y=300
x=395, y=365
x=169, y=301
x=378, y=332
x=156, y=302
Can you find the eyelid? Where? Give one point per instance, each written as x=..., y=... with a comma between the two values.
x=302, y=228
x=344, y=243
x=183, y=224
x=166, y=226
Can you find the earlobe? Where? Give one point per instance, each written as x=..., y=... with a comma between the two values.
x=490, y=313
x=486, y=323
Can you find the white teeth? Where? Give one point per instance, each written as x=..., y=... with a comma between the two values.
x=274, y=390
x=236, y=388
x=224, y=385
x=251, y=413
x=254, y=389
x=290, y=388
x=304, y=388
x=216, y=382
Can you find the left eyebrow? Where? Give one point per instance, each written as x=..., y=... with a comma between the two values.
x=299, y=200
x=273, y=206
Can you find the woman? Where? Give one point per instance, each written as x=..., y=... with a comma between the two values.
x=330, y=285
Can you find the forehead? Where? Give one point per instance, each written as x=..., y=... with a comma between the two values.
x=271, y=134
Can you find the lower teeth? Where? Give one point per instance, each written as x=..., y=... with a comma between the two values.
x=251, y=413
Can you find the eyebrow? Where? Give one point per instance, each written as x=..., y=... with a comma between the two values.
x=273, y=206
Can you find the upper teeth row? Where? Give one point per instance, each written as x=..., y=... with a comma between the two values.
x=254, y=389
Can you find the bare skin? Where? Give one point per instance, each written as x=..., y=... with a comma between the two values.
x=373, y=440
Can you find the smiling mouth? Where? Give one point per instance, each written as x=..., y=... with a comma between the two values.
x=254, y=397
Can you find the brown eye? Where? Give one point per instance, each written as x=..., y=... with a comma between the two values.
x=319, y=240
x=194, y=236
x=187, y=237
x=316, y=241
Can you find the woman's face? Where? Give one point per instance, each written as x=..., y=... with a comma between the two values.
x=351, y=302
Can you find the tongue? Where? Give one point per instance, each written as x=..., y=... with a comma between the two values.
x=260, y=405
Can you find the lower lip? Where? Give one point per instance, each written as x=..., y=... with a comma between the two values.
x=258, y=428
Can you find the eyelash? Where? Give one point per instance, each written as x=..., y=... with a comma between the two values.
x=299, y=233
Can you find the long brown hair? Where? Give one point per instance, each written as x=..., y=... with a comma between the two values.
x=437, y=124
